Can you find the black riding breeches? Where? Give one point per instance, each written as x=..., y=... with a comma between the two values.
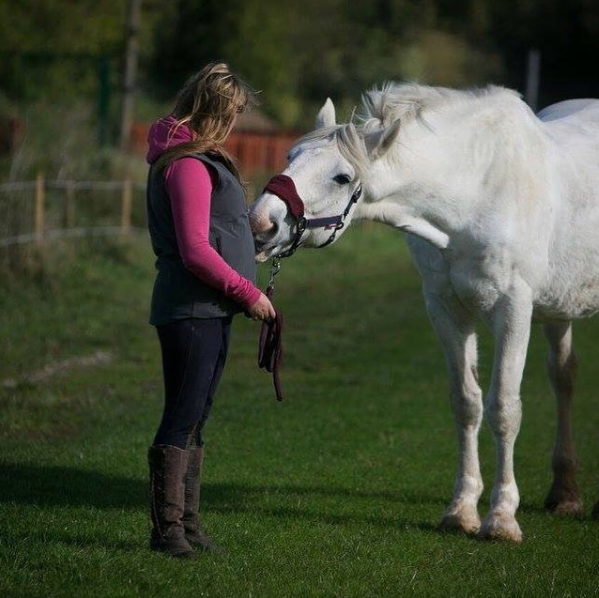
x=194, y=351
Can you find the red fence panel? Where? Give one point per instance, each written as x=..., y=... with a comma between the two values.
x=256, y=152
x=261, y=152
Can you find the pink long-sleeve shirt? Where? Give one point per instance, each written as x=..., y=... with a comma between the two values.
x=189, y=184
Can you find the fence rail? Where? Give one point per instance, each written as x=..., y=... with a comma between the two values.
x=66, y=184
x=70, y=188
x=85, y=231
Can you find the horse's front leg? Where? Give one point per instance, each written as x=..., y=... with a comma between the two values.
x=455, y=329
x=510, y=321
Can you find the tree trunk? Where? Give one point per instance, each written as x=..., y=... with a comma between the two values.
x=130, y=75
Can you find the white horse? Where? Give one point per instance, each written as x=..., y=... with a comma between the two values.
x=502, y=211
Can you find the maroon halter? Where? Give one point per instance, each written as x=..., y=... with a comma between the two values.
x=284, y=188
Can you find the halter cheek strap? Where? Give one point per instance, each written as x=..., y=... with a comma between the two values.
x=284, y=188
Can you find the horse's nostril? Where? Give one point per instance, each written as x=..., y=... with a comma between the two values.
x=260, y=224
x=274, y=228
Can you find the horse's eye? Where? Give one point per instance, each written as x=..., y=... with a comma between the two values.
x=342, y=179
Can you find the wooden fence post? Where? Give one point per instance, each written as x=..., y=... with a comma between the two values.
x=40, y=189
x=127, y=201
x=69, y=206
x=533, y=74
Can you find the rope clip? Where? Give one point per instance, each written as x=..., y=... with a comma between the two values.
x=274, y=270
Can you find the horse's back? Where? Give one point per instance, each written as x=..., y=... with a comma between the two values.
x=586, y=108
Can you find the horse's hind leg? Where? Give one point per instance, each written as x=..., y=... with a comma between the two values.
x=563, y=497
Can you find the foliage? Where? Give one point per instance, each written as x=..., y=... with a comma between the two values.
x=299, y=53
x=49, y=47
x=60, y=140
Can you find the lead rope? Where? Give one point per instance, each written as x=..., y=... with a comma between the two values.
x=270, y=345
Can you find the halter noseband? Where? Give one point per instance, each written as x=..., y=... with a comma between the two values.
x=284, y=188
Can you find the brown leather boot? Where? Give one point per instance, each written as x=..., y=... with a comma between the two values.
x=194, y=532
x=167, y=469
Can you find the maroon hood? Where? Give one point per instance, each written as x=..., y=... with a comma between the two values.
x=161, y=137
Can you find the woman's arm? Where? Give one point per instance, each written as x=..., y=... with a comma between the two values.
x=189, y=186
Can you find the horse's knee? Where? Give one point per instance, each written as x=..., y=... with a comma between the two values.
x=467, y=405
x=504, y=414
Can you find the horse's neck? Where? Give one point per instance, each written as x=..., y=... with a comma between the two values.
x=447, y=194
x=398, y=216
x=420, y=210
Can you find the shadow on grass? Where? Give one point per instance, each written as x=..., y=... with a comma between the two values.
x=63, y=486
x=54, y=485
x=78, y=538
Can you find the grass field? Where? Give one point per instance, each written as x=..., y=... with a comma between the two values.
x=335, y=492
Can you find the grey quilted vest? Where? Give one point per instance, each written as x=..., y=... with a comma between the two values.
x=178, y=294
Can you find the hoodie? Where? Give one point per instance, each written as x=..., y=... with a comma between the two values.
x=189, y=184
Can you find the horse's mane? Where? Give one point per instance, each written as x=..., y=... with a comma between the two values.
x=348, y=138
x=407, y=101
x=383, y=106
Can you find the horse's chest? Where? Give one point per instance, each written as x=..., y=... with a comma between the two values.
x=477, y=286
x=475, y=281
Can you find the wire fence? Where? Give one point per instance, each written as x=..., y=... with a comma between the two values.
x=41, y=210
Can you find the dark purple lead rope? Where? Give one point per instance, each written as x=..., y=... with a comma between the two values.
x=270, y=346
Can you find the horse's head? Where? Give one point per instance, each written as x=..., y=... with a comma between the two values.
x=312, y=203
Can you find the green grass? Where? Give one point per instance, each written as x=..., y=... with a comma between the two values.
x=335, y=492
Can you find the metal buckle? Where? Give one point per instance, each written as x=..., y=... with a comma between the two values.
x=274, y=270
x=302, y=223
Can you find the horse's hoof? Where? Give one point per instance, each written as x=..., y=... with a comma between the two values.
x=500, y=526
x=563, y=502
x=464, y=519
x=570, y=507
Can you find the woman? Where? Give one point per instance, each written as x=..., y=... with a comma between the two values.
x=206, y=271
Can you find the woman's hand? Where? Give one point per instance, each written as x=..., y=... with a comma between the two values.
x=262, y=309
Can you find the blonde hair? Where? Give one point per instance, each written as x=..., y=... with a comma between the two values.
x=208, y=104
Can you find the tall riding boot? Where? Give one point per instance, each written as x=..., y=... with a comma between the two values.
x=194, y=532
x=167, y=470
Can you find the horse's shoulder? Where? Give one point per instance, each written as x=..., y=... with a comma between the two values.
x=432, y=266
x=425, y=255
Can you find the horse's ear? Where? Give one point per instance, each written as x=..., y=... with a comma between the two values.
x=326, y=116
x=379, y=142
